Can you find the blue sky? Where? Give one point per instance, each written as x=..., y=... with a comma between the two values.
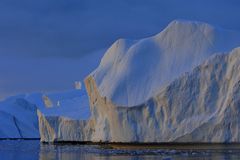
x=44, y=44
x=77, y=27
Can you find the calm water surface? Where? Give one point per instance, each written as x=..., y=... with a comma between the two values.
x=34, y=150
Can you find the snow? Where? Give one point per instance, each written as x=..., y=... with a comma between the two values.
x=132, y=71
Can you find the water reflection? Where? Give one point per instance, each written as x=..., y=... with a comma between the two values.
x=19, y=150
x=31, y=150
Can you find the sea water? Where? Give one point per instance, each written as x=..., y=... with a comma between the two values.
x=34, y=150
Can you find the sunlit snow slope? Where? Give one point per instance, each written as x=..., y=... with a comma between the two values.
x=133, y=71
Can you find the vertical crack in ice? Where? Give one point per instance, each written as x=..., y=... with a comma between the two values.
x=15, y=122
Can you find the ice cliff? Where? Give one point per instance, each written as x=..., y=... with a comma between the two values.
x=200, y=106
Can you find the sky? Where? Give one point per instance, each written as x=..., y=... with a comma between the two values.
x=42, y=43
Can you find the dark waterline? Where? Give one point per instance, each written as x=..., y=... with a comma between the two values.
x=34, y=150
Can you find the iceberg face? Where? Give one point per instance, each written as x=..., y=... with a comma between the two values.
x=131, y=72
x=8, y=128
x=59, y=128
x=18, y=119
x=200, y=106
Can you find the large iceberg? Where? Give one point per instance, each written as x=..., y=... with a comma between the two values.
x=161, y=89
x=199, y=106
